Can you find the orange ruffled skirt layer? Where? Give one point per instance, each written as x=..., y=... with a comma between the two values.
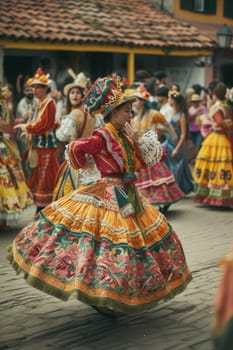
x=89, y=245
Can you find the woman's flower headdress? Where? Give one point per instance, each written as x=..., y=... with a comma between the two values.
x=141, y=92
x=173, y=94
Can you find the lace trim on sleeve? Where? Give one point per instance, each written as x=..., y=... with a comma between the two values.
x=150, y=148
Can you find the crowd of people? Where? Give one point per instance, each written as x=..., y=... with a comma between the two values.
x=102, y=168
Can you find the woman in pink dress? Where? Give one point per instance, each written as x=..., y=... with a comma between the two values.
x=156, y=183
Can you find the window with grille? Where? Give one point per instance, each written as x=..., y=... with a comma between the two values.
x=204, y=6
x=228, y=9
x=199, y=5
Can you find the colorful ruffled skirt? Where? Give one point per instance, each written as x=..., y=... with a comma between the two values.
x=90, y=245
x=213, y=172
x=42, y=179
x=223, y=316
x=15, y=196
x=158, y=185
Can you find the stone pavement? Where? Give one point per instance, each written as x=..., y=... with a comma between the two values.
x=32, y=320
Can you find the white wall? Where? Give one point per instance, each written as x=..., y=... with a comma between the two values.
x=186, y=76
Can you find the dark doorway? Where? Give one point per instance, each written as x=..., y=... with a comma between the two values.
x=226, y=74
x=15, y=65
x=101, y=64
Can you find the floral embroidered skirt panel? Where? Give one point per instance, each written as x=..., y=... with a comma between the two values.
x=158, y=185
x=15, y=196
x=90, y=245
x=213, y=172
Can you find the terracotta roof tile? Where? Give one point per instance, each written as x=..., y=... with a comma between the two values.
x=106, y=22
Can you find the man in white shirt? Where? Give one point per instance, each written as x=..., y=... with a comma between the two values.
x=165, y=107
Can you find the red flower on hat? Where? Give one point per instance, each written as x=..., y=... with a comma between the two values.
x=142, y=92
x=39, y=77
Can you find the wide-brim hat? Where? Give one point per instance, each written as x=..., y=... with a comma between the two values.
x=79, y=82
x=195, y=98
x=39, y=78
x=104, y=96
x=142, y=93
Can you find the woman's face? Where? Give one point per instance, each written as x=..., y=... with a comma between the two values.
x=171, y=101
x=122, y=115
x=75, y=96
x=138, y=103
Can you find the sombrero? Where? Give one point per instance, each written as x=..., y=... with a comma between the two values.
x=104, y=96
x=80, y=81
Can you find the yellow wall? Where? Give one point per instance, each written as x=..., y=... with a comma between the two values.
x=200, y=17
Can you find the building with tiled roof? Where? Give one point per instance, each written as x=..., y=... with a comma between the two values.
x=96, y=36
x=209, y=17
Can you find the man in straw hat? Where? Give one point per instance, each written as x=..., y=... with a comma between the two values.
x=43, y=151
x=110, y=248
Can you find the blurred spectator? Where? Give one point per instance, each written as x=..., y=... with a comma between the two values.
x=161, y=78
x=212, y=85
x=26, y=111
x=11, y=102
x=194, y=112
x=152, y=87
x=120, y=79
x=176, y=157
x=223, y=320
x=165, y=107
x=174, y=87
x=197, y=89
x=187, y=95
x=141, y=78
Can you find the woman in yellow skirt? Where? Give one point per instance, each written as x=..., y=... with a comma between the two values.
x=213, y=171
x=15, y=196
x=104, y=244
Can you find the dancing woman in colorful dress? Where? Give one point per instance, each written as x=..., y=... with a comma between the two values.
x=213, y=171
x=75, y=124
x=157, y=183
x=104, y=244
x=15, y=197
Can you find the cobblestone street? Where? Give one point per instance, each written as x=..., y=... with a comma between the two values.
x=30, y=319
